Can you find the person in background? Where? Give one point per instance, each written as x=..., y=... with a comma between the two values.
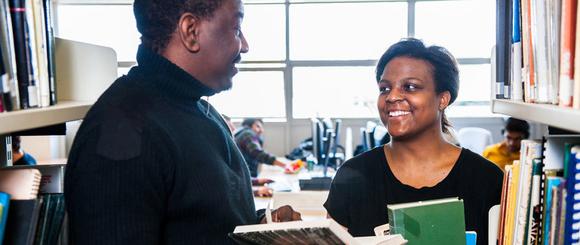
x=508, y=150
x=416, y=83
x=19, y=156
x=249, y=140
x=153, y=163
x=257, y=183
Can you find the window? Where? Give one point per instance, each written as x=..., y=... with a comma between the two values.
x=330, y=91
x=323, y=51
x=108, y=25
x=253, y=94
x=346, y=31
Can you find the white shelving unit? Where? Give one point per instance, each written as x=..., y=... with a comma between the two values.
x=39, y=117
x=80, y=81
x=551, y=115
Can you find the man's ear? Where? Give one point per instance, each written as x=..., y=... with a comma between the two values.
x=188, y=29
x=444, y=100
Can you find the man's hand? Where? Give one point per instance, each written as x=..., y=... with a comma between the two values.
x=261, y=181
x=283, y=214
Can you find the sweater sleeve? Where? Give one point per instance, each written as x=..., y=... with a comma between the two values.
x=116, y=187
x=252, y=146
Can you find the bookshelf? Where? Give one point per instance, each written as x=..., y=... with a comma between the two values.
x=79, y=81
x=551, y=115
x=62, y=112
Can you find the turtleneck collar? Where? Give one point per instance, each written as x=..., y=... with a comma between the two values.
x=168, y=76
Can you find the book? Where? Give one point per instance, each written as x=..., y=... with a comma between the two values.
x=576, y=86
x=5, y=150
x=503, y=47
x=534, y=208
x=4, y=208
x=440, y=221
x=51, y=219
x=22, y=51
x=550, y=183
x=52, y=176
x=568, y=34
x=9, y=83
x=517, y=93
x=303, y=232
x=503, y=202
x=572, y=214
x=21, y=184
x=22, y=220
x=51, y=50
x=530, y=150
x=470, y=238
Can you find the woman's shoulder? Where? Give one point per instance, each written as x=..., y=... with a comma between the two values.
x=365, y=159
x=362, y=165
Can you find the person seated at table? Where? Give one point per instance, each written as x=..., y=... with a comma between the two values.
x=258, y=187
x=249, y=140
x=508, y=150
x=416, y=84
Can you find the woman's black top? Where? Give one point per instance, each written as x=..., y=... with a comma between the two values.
x=364, y=185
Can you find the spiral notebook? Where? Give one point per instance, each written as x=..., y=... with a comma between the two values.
x=21, y=184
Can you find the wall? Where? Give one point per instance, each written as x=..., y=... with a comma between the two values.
x=279, y=137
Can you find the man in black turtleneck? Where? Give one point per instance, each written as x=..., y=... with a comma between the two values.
x=153, y=163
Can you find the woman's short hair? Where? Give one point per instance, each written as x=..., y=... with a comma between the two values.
x=445, y=70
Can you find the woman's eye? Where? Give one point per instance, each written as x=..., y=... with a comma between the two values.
x=411, y=87
x=383, y=90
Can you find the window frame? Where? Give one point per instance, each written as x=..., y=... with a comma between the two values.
x=287, y=65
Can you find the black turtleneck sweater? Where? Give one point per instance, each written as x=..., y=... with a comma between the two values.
x=154, y=164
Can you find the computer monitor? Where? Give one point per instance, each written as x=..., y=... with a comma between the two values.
x=317, y=139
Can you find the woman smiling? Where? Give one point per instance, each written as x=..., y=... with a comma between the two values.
x=416, y=84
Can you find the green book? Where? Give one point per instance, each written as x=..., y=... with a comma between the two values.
x=439, y=221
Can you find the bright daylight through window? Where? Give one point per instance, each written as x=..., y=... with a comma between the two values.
x=316, y=58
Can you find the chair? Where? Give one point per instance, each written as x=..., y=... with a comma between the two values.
x=474, y=139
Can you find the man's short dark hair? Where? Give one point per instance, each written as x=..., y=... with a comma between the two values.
x=248, y=122
x=157, y=19
x=517, y=125
x=15, y=143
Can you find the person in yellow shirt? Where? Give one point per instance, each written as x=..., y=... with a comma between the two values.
x=505, y=152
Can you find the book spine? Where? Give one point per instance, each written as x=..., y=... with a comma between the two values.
x=5, y=207
x=33, y=63
x=502, y=47
x=533, y=213
x=17, y=13
x=5, y=150
x=9, y=84
x=572, y=220
x=40, y=43
x=516, y=83
x=554, y=18
x=567, y=50
x=51, y=49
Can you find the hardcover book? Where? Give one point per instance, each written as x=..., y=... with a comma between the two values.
x=439, y=221
x=305, y=232
x=4, y=205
